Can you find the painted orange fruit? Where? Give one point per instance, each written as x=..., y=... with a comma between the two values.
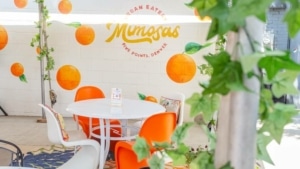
x=85, y=35
x=206, y=18
x=65, y=6
x=20, y=3
x=17, y=69
x=3, y=37
x=68, y=77
x=151, y=99
x=181, y=68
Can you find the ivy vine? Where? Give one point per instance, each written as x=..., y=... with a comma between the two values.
x=277, y=69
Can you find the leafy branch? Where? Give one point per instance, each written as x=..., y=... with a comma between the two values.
x=40, y=41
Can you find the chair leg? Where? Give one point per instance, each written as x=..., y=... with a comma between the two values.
x=3, y=111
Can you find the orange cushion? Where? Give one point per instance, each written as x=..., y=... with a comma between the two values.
x=61, y=123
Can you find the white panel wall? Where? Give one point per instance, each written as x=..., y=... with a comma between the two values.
x=102, y=64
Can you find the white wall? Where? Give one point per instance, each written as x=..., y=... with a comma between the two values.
x=102, y=64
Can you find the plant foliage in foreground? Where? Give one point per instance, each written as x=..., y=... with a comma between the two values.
x=277, y=69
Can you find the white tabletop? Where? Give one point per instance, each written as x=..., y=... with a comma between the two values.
x=102, y=108
x=14, y=167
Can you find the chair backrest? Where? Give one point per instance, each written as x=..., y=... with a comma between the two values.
x=53, y=128
x=88, y=92
x=10, y=154
x=84, y=93
x=159, y=127
x=180, y=112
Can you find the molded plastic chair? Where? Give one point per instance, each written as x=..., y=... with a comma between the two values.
x=180, y=112
x=10, y=154
x=86, y=157
x=126, y=158
x=93, y=92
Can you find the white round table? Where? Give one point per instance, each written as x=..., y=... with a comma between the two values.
x=14, y=167
x=104, y=110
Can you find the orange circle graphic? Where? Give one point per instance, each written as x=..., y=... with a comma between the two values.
x=85, y=35
x=68, y=77
x=17, y=69
x=3, y=37
x=181, y=68
x=20, y=3
x=65, y=6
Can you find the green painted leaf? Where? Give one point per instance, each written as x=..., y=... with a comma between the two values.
x=141, y=96
x=23, y=78
x=178, y=155
x=292, y=18
x=274, y=64
x=281, y=115
x=181, y=132
x=74, y=24
x=284, y=83
x=156, y=163
x=192, y=47
x=141, y=148
x=262, y=142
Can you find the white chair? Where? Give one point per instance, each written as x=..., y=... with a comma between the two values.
x=178, y=98
x=86, y=157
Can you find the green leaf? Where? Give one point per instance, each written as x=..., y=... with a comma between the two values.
x=161, y=145
x=284, y=83
x=245, y=8
x=274, y=64
x=156, y=163
x=227, y=75
x=192, y=47
x=265, y=103
x=74, y=24
x=178, y=155
x=227, y=166
x=219, y=14
x=292, y=18
x=141, y=148
x=181, y=132
x=202, y=5
x=204, y=104
x=204, y=160
x=250, y=61
x=141, y=96
x=274, y=123
x=262, y=142
x=23, y=78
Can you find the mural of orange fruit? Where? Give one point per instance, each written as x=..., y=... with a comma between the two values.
x=65, y=6
x=151, y=99
x=85, y=35
x=206, y=18
x=68, y=77
x=17, y=69
x=181, y=68
x=3, y=37
x=20, y=3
